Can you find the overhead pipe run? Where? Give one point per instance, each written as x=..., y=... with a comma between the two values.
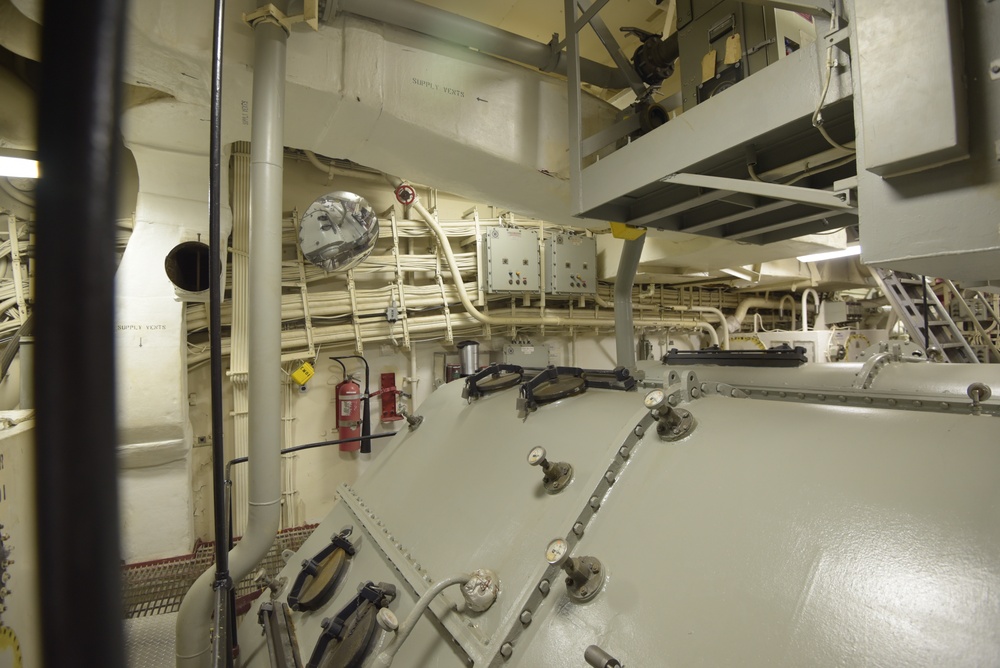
x=505, y=321
x=473, y=34
x=462, y=323
x=264, y=490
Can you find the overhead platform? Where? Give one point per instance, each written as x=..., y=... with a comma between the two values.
x=746, y=164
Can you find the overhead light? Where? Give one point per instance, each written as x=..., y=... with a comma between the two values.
x=18, y=167
x=832, y=255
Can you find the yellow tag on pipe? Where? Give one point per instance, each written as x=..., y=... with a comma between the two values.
x=734, y=49
x=708, y=66
x=626, y=232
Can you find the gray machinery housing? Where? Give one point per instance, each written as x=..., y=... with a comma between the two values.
x=722, y=515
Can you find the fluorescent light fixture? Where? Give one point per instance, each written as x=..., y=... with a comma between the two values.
x=832, y=255
x=18, y=167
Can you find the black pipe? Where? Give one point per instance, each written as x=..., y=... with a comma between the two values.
x=224, y=645
x=366, y=418
x=308, y=446
x=76, y=439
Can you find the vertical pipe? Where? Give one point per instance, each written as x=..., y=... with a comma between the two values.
x=224, y=615
x=76, y=438
x=628, y=265
x=266, y=168
x=573, y=96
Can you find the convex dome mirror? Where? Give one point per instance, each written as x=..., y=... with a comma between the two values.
x=338, y=231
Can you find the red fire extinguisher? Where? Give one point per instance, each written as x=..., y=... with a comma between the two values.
x=348, y=398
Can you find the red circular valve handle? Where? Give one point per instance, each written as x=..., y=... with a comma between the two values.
x=405, y=194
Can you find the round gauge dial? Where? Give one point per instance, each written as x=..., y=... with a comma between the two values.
x=653, y=399
x=536, y=455
x=556, y=551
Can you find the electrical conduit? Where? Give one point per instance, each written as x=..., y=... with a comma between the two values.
x=267, y=135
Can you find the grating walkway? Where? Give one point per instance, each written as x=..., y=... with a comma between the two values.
x=149, y=641
x=153, y=591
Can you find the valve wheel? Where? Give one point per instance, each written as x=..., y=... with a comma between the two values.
x=405, y=194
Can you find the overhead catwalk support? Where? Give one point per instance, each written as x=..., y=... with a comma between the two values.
x=76, y=479
x=264, y=489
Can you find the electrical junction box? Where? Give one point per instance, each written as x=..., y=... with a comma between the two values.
x=912, y=122
x=512, y=262
x=833, y=313
x=571, y=261
x=523, y=353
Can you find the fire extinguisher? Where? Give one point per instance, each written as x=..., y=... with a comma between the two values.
x=359, y=411
x=348, y=399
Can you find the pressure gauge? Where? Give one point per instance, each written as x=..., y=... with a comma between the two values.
x=653, y=399
x=536, y=456
x=556, y=551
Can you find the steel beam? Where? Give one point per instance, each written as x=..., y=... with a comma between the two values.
x=821, y=198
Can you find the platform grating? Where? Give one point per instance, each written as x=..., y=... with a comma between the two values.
x=157, y=587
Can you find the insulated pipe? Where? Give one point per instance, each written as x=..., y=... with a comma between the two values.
x=76, y=439
x=628, y=265
x=805, y=310
x=15, y=194
x=264, y=489
x=723, y=323
x=781, y=308
x=314, y=161
x=466, y=32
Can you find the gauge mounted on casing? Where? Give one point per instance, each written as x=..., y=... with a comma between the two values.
x=555, y=475
x=654, y=398
x=536, y=456
x=584, y=575
x=557, y=550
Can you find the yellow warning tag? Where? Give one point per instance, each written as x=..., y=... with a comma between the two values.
x=734, y=49
x=708, y=66
x=303, y=373
x=627, y=232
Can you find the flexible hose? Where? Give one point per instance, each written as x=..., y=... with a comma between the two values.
x=384, y=659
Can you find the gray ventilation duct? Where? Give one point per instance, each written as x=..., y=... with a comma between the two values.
x=466, y=32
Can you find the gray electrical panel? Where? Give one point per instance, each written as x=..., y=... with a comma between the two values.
x=526, y=354
x=512, y=260
x=571, y=263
